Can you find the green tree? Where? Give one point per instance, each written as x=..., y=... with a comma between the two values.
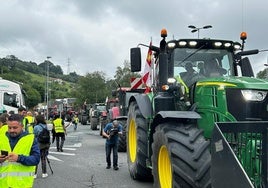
x=123, y=75
x=263, y=74
x=91, y=88
x=33, y=97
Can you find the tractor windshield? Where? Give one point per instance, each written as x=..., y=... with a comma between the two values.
x=203, y=63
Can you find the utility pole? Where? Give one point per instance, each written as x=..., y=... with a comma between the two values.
x=47, y=86
x=68, y=66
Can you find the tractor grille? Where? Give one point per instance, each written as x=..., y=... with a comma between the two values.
x=246, y=110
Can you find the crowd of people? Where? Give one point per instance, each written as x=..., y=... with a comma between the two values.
x=22, y=148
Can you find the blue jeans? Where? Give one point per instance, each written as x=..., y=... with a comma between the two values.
x=75, y=126
x=109, y=148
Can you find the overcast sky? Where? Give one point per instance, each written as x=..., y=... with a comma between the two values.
x=96, y=35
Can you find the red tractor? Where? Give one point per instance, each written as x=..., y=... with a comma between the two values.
x=117, y=109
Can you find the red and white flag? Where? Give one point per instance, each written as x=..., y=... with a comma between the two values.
x=136, y=83
x=147, y=74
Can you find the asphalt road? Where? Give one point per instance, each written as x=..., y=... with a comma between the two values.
x=82, y=164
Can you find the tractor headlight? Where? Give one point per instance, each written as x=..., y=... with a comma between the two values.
x=171, y=80
x=171, y=45
x=254, y=95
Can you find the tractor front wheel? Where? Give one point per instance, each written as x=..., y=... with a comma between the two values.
x=93, y=123
x=181, y=156
x=137, y=144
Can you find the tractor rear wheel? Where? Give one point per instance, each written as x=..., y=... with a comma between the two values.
x=122, y=146
x=94, y=123
x=181, y=156
x=137, y=144
x=103, y=123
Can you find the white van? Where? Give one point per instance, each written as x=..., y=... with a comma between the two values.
x=11, y=96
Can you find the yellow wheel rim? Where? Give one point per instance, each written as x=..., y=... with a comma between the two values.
x=164, y=168
x=132, y=141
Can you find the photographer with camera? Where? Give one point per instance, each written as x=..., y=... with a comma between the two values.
x=111, y=132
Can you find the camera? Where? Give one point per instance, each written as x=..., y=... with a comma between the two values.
x=113, y=131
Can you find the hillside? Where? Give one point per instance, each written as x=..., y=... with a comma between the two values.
x=33, y=80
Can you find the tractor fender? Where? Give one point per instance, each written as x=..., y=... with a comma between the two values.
x=144, y=104
x=163, y=115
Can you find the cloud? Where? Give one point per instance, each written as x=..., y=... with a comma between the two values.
x=97, y=35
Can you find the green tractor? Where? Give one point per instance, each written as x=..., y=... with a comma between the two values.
x=197, y=84
x=98, y=115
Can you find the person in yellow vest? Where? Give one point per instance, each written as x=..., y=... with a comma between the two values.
x=22, y=111
x=75, y=121
x=60, y=131
x=29, y=122
x=19, y=155
x=3, y=123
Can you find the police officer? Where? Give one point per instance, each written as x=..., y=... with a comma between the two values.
x=21, y=155
x=111, y=132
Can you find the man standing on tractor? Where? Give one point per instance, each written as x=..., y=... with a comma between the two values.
x=111, y=132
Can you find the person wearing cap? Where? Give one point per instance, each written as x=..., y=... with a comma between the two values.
x=110, y=132
x=19, y=155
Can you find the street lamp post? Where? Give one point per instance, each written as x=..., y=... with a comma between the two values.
x=196, y=29
x=47, y=86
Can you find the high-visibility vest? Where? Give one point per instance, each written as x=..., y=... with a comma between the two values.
x=30, y=123
x=15, y=174
x=58, y=125
x=4, y=129
x=76, y=119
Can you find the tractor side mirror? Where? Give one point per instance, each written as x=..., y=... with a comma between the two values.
x=246, y=68
x=135, y=59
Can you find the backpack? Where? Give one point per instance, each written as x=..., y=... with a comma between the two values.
x=44, y=136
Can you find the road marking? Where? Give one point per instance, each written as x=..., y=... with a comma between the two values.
x=77, y=145
x=65, y=148
x=62, y=153
x=53, y=158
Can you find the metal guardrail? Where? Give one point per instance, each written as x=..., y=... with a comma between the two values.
x=239, y=154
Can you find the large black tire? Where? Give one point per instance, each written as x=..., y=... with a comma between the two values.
x=103, y=123
x=137, y=144
x=122, y=146
x=181, y=157
x=84, y=119
x=93, y=123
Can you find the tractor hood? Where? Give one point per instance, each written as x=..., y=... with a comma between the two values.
x=234, y=81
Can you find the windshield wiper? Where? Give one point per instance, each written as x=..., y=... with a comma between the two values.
x=190, y=55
